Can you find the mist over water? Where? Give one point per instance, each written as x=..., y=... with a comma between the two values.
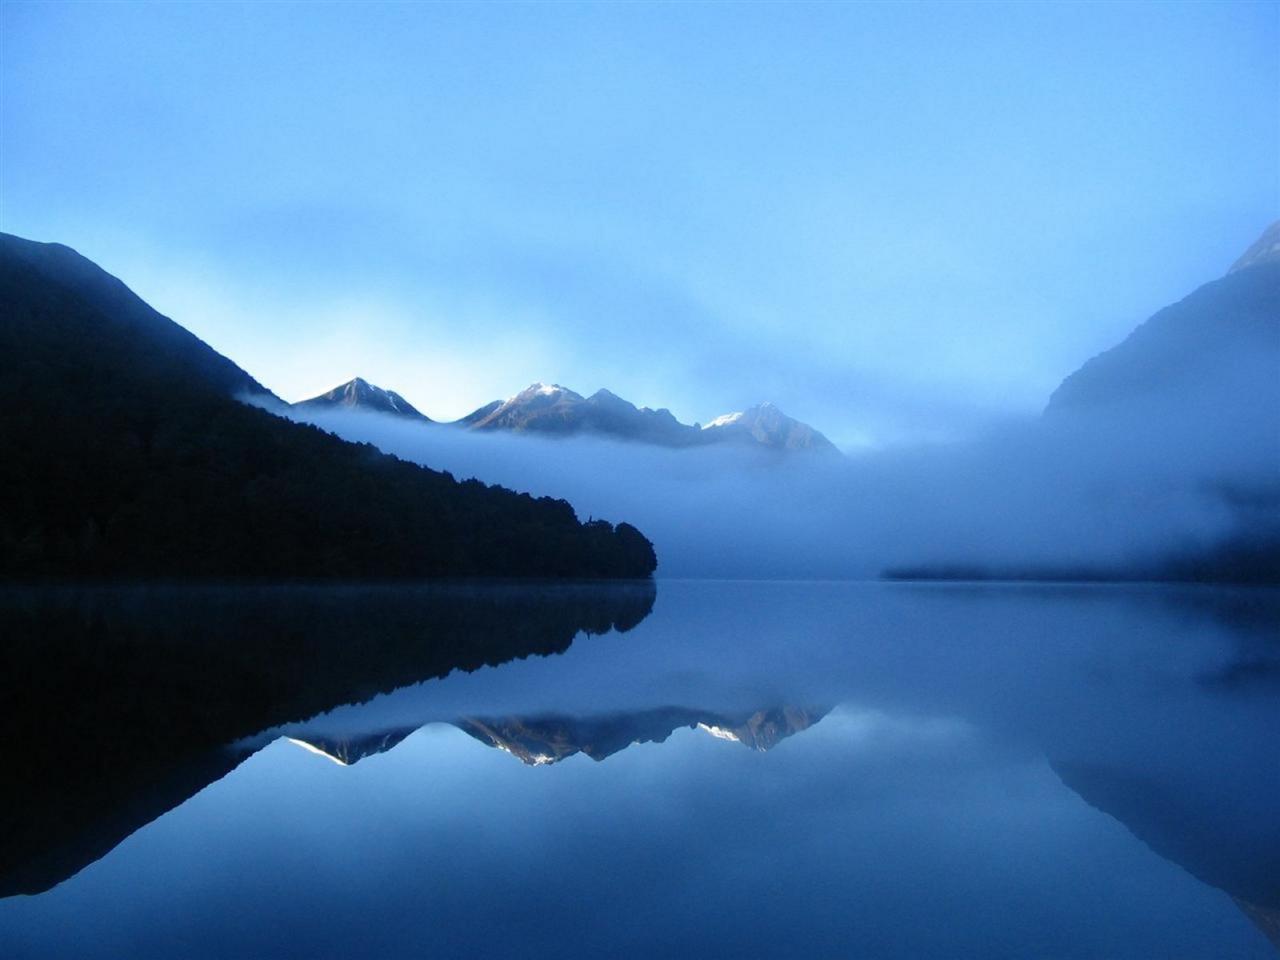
x=1068, y=491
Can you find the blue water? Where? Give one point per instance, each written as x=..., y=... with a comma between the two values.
x=940, y=771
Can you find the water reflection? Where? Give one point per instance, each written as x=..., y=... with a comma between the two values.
x=965, y=799
x=1199, y=825
x=125, y=700
x=550, y=738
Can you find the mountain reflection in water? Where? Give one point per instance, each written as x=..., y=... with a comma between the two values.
x=125, y=700
x=985, y=746
x=541, y=740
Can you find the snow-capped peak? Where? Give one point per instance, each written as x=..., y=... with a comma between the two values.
x=539, y=389
x=724, y=420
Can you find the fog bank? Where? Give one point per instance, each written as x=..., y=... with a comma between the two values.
x=1066, y=493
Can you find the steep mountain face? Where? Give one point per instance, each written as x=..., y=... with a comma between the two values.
x=553, y=410
x=1183, y=416
x=360, y=395
x=1174, y=434
x=1191, y=398
x=45, y=279
x=475, y=416
x=768, y=426
x=1214, y=355
x=132, y=457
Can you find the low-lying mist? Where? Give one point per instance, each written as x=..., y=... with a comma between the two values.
x=1072, y=491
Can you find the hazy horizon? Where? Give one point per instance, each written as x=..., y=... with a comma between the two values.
x=697, y=207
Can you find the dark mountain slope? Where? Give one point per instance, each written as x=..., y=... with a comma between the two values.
x=475, y=416
x=53, y=278
x=1184, y=410
x=1220, y=344
x=1195, y=392
x=126, y=455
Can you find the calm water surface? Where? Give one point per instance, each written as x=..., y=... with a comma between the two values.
x=753, y=769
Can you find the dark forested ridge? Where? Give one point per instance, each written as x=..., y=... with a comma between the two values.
x=126, y=454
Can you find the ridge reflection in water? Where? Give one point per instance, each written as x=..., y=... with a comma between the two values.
x=550, y=738
x=125, y=699
x=1025, y=771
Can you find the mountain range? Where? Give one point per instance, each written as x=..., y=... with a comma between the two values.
x=133, y=457
x=550, y=738
x=537, y=741
x=550, y=410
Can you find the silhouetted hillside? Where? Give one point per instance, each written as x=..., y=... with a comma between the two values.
x=1188, y=402
x=1219, y=346
x=127, y=455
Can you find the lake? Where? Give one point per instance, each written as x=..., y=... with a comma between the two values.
x=696, y=769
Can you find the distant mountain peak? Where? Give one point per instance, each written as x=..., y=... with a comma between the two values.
x=550, y=409
x=359, y=394
x=540, y=389
x=1266, y=249
x=765, y=424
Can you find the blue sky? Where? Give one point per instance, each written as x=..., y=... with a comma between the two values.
x=896, y=221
